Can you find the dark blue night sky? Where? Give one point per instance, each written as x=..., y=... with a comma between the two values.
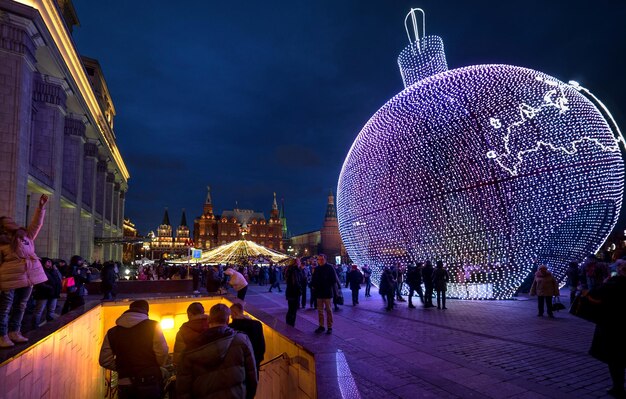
x=257, y=97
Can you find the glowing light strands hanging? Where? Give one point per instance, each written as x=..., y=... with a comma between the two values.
x=491, y=168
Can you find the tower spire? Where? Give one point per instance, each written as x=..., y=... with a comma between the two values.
x=208, y=204
x=208, y=196
x=275, y=205
x=283, y=219
x=183, y=219
x=166, y=218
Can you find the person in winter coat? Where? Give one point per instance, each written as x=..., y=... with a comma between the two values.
x=238, y=282
x=573, y=280
x=274, y=283
x=294, y=280
x=47, y=293
x=306, y=280
x=136, y=349
x=20, y=269
x=109, y=281
x=354, y=280
x=213, y=280
x=608, y=345
x=545, y=287
x=252, y=328
x=190, y=330
x=82, y=275
x=414, y=281
x=367, y=279
x=323, y=281
x=219, y=364
x=440, y=283
x=427, y=276
x=387, y=288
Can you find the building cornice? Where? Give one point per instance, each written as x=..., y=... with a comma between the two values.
x=58, y=33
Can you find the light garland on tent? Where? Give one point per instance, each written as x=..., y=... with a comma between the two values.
x=234, y=251
x=492, y=169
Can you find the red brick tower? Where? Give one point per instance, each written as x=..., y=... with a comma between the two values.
x=331, y=244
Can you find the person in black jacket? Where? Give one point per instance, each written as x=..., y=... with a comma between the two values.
x=47, y=293
x=573, y=280
x=427, y=276
x=82, y=275
x=323, y=280
x=252, y=328
x=387, y=288
x=109, y=281
x=440, y=282
x=213, y=281
x=354, y=280
x=608, y=345
x=414, y=281
x=293, y=278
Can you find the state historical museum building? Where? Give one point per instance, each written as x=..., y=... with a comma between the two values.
x=211, y=230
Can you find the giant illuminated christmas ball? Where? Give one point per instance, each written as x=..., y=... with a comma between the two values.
x=491, y=168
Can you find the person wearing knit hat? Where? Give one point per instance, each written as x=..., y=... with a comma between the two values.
x=136, y=349
x=20, y=269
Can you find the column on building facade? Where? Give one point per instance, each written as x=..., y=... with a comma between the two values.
x=107, y=217
x=116, y=231
x=122, y=207
x=46, y=157
x=72, y=182
x=87, y=220
x=99, y=201
x=115, y=212
x=17, y=65
x=120, y=222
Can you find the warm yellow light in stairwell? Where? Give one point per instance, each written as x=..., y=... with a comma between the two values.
x=167, y=322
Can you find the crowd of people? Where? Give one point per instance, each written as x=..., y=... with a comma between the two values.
x=205, y=342
x=30, y=282
x=212, y=357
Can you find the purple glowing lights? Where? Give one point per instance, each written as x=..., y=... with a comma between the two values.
x=490, y=168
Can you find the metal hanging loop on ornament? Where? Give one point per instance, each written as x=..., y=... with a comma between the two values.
x=415, y=26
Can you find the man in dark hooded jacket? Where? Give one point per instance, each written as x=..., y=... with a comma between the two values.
x=190, y=330
x=220, y=363
x=136, y=349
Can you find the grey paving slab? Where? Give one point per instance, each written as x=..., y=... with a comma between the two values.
x=495, y=349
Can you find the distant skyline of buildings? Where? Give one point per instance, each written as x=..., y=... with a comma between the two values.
x=212, y=229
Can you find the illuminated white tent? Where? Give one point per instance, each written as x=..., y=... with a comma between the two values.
x=234, y=251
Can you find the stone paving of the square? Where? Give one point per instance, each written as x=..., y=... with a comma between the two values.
x=474, y=349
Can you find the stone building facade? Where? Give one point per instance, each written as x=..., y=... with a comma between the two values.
x=211, y=230
x=56, y=134
x=166, y=244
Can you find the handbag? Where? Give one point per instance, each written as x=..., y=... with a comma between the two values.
x=582, y=307
x=67, y=284
x=338, y=297
x=557, y=305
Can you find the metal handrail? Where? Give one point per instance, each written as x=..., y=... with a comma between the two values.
x=283, y=355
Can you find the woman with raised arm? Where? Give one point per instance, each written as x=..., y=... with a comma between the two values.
x=20, y=270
